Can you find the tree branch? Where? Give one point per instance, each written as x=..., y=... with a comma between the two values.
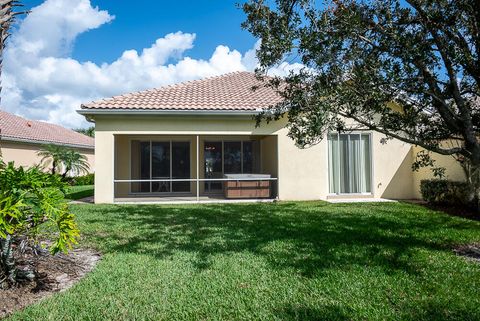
x=450, y=151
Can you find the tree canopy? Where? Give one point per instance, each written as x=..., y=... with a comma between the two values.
x=408, y=69
x=89, y=131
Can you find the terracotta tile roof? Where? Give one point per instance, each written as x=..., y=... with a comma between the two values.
x=232, y=91
x=20, y=129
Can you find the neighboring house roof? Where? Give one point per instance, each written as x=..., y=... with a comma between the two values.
x=15, y=128
x=228, y=92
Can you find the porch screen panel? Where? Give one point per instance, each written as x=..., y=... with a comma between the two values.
x=145, y=166
x=161, y=166
x=232, y=157
x=349, y=162
x=213, y=154
x=181, y=166
x=135, y=168
x=248, y=157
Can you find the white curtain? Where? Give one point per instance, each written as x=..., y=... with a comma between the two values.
x=333, y=164
x=349, y=163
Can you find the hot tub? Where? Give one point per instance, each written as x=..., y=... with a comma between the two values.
x=247, y=186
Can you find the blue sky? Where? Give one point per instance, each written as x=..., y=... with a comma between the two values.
x=137, y=26
x=69, y=52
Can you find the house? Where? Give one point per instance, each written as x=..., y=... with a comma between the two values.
x=198, y=140
x=22, y=139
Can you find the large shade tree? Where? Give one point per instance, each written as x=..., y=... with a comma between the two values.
x=408, y=69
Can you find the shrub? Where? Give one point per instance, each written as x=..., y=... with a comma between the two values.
x=32, y=205
x=441, y=191
x=82, y=180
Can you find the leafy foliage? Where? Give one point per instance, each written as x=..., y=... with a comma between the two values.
x=51, y=156
x=32, y=205
x=407, y=69
x=88, y=179
x=441, y=191
x=90, y=131
x=74, y=161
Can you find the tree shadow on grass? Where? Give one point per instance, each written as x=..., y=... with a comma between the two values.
x=307, y=237
x=322, y=312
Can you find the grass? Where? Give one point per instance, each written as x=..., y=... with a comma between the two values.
x=78, y=192
x=284, y=261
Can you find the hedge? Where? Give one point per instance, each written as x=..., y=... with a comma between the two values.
x=82, y=180
x=441, y=191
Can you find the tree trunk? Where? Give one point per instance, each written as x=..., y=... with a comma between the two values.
x=7, y=262
x=472, y=174
x=65, y=173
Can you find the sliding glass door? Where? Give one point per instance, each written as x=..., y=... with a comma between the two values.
x=160, y=160
x=349, y=162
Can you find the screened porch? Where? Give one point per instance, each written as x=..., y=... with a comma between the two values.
x=197, y=168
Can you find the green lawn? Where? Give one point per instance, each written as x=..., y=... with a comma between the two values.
x=284, y=261
x=78, y=192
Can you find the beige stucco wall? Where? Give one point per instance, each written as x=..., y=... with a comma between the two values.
x=453, y=171
x=24, y=154
x=302, y=173
x=392, y=168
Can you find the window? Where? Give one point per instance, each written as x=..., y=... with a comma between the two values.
x=160, y=160
x=349, y=163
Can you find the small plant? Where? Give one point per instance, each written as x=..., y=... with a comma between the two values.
x=32, y=206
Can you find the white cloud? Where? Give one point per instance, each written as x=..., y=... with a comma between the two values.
x=42, y=82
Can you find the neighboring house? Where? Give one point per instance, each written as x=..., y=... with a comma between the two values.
x=198, y=141
x=21, y=139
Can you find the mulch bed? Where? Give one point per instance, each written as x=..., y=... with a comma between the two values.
x=454, y=210
x=470, y=251
x=54, y=274
x=459, y=210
